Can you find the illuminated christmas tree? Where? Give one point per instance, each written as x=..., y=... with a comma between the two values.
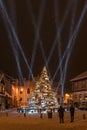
x=43, y=97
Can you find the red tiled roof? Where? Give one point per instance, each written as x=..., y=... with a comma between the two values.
x=80, y=76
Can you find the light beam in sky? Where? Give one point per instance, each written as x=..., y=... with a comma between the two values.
x=59, y=30
x=4, y=13
x=37, y=27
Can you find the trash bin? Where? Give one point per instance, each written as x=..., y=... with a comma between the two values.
x=49, y=114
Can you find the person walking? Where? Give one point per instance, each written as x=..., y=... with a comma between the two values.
x=61, y=114
x=72, y=111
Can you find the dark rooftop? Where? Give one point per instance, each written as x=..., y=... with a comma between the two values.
x=80, y=76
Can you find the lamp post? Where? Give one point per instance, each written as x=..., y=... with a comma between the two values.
x=62, y=95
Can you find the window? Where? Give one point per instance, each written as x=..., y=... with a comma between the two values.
x=28, y=91
x=80, y=95
x=27, y=99
x=20, y=99
x=75, y=96
x=85, y=96
x=1, y=88
x=21, y=91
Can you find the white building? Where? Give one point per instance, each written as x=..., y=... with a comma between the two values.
x=79, y=88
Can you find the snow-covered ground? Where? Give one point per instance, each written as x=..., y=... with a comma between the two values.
x=17, y=121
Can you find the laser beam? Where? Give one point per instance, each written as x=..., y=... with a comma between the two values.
x=4, y=13
x=59, y=30
x=71, y=28
x=37, y=27
x=15, y=53
x=73, y=38
x=57, y=26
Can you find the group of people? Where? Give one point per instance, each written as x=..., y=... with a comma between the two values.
x=61, y=113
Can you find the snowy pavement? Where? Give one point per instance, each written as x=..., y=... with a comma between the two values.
x=12, y=120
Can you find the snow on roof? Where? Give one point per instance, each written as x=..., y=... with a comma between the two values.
x=80, y=76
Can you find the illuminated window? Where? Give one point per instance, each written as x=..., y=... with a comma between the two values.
x=85, y=96
x=21, y=91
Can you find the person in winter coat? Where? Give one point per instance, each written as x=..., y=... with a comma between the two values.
x=61, y=114
x=72, y=111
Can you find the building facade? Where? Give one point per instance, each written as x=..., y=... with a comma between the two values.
x=21, y=93
x=79, y=88
x=5, y=92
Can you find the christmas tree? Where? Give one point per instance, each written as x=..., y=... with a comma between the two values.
x=43, y=97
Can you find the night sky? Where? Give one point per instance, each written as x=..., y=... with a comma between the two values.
x=36, y=23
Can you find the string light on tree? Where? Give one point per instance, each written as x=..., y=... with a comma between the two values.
x=43, y=97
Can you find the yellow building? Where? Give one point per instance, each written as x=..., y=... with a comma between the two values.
x=21, y=94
